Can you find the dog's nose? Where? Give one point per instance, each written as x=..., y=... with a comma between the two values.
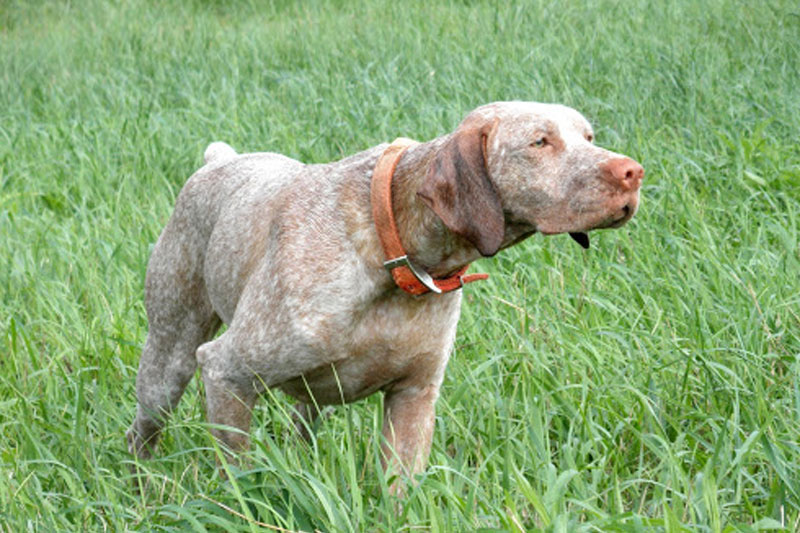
x=623, y=172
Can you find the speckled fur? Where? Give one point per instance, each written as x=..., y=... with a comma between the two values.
x=287, y=256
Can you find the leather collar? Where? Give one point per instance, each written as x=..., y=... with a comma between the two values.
x=409, y=277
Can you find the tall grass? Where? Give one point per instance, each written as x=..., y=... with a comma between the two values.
x=650, y=383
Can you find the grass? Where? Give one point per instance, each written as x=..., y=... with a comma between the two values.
x=650, y=384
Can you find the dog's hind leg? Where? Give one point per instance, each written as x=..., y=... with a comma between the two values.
x=304, y=416
x=229, y=397
x=181, y=318
x=167, y=364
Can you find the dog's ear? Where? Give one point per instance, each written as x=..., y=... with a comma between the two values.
x=459, y=190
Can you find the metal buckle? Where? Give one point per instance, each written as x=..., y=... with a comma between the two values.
x=422, y=276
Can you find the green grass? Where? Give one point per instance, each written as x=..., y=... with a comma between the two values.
x=649, y=384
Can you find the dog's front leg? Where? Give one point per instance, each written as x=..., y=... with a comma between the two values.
x=408, y=420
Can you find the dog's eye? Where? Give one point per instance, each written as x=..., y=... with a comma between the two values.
x=538, y=143
x=589, y=137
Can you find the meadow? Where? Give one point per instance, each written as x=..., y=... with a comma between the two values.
x=647, y=384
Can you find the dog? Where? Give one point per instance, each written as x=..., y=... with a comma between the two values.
x=340, y=280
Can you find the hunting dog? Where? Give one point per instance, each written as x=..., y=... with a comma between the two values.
x=343, y=279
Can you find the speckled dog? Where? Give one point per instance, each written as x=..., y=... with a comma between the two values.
x=288, y=256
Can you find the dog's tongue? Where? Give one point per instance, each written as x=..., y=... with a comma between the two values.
x=581, y=238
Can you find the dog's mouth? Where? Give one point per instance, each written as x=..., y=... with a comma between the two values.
x=581, y=238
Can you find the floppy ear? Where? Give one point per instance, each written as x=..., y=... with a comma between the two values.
x=458, y=189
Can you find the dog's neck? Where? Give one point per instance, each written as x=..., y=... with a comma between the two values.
x=428, y=242
x=426, y=238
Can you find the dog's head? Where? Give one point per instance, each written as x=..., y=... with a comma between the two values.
x=513, y=168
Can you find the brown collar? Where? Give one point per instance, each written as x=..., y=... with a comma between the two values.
x=407, y=276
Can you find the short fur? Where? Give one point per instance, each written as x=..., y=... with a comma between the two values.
x=286, y=254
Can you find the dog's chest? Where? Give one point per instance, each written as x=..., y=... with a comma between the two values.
x=395, y=341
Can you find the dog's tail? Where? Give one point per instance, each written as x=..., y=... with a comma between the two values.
x=218, y=152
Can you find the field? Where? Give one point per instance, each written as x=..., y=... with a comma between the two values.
x=648, y=384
